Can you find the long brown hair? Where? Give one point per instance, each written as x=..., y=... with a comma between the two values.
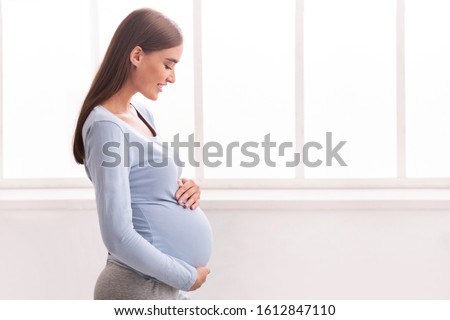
x=147, y=28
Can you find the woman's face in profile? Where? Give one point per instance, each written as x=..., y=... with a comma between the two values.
x=154, y=70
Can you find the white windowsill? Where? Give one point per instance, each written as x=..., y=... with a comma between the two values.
x=321, y=199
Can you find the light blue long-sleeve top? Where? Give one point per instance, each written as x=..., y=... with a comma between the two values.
x=142, y=225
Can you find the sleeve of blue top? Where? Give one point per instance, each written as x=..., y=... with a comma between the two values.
x=110, y=177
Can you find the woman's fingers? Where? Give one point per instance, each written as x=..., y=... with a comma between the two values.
x=188, y=193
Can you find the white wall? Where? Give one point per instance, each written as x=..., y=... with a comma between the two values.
x=258, y=254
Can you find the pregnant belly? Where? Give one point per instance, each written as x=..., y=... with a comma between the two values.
x=179, y=232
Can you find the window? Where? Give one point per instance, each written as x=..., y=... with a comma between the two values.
x=427, y=48
x=248, y=82
x=300, y=73
x=47, y=66
x=349, y=84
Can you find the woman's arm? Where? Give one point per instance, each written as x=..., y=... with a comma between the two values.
x=104, y=145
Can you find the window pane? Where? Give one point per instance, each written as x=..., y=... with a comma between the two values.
x=248, y=83
x=46, y=72
x=350, y=85
x=427, y=50
x=174, y=109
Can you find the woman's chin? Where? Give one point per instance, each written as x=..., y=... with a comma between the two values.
x=152, y=96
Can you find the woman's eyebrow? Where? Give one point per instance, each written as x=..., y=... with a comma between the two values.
x=173, y=60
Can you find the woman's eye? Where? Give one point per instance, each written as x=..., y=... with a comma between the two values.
x=168, y=68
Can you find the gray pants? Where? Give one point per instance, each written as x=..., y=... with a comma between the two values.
x=117, y=282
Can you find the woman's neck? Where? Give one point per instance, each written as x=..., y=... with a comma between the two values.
x=119, y=103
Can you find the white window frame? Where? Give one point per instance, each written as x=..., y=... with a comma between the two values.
x=299, y=182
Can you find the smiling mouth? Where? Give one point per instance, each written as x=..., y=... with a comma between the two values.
x=160, y=87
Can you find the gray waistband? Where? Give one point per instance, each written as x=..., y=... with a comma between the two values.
x=120, y=263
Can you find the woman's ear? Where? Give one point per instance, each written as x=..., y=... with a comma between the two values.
x=136, y=55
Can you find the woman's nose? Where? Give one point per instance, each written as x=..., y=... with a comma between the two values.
x=171, y=77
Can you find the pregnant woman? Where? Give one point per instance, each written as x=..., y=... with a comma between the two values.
x=158, y=239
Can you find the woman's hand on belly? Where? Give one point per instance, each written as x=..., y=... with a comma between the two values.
x=202, y=273
x=189, y=193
